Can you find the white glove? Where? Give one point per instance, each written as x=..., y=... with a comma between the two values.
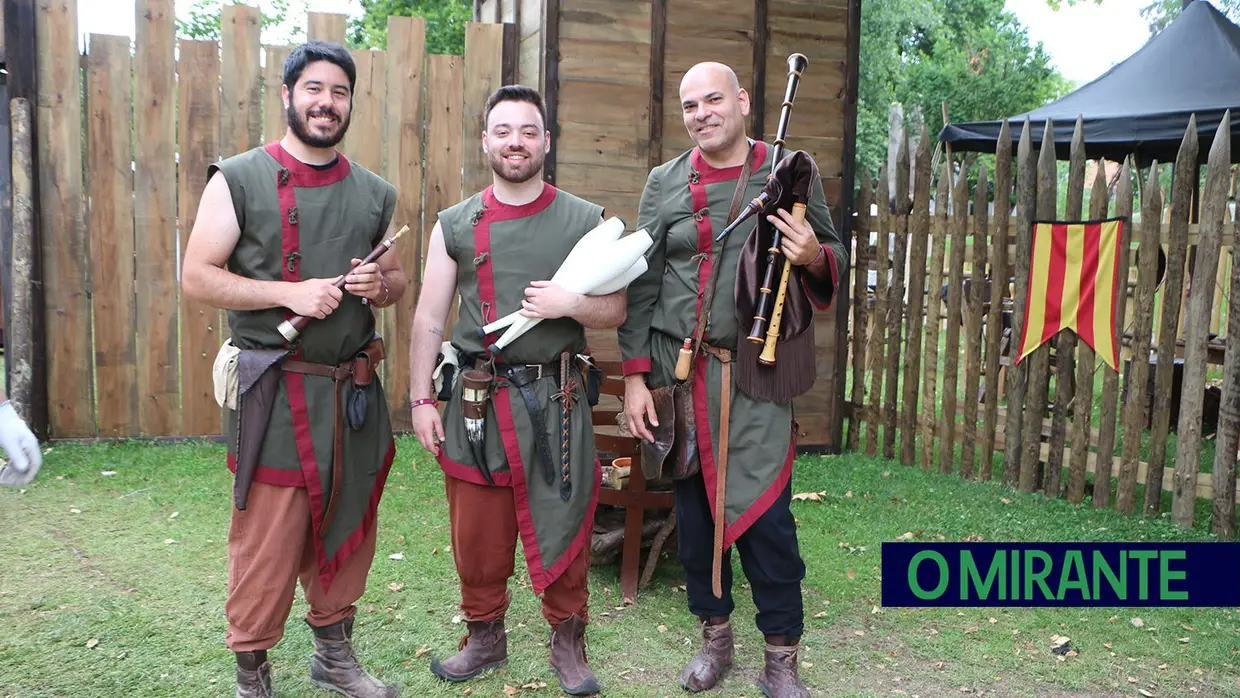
x=21, y=446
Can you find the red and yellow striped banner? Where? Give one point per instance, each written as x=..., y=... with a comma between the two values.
x=1072, y=286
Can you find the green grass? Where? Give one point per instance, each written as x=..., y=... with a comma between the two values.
x=93, y=557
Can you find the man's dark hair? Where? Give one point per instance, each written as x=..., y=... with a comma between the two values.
x=515, y=93
x=312, y=51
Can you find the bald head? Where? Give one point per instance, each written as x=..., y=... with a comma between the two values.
x=716, y=73
x=714, y=107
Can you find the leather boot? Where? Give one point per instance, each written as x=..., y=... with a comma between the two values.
x=485, y=647
x=779, y=677
x=710, y=664
x=254, y=675
x=568, y=658
x=334, y=667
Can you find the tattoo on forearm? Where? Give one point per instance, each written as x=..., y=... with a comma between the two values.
x=437, y=331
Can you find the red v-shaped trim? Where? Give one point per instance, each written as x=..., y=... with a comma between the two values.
x=303, y=175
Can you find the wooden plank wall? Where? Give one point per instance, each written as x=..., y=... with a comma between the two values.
x=147, y=353
x=1053, y=443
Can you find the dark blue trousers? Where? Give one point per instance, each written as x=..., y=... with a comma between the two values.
x=769, y=555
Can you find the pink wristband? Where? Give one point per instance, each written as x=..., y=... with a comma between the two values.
x=424, y=401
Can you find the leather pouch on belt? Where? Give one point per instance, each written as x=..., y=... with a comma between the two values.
x=365, y=364
x=674, y=451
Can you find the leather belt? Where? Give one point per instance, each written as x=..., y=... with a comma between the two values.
x=721, y=463
x=522, y=377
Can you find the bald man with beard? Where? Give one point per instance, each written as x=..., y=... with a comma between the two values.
x=685, y=203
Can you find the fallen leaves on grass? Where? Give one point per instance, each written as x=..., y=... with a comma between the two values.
x=1137, y=622
x=1145, y=693
x=851, y=574
x=421, y=651
x=814, y=496
x=534, y=685
x=396, y=556
x=91, y=643
x=396, y=586
x=907, y=535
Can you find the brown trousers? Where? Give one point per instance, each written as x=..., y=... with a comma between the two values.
x=270, y=546
x=484, y=543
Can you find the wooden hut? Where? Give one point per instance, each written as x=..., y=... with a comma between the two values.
x=610, y=71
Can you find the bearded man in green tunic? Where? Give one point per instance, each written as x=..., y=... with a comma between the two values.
x=685, y=204
x=308, y=431
x=529, y=470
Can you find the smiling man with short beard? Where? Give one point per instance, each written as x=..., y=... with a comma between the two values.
x=497, y=249
x=276, y=227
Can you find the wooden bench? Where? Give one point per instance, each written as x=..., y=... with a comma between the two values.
x=634, y=498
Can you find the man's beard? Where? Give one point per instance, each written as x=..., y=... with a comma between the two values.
x=516, y=173
x=301, y=127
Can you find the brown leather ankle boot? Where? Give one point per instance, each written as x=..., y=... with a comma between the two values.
x=779, y=677
x=334, y=667
x=254, y=675
x=713, y=662
x=568, y=658
x=485, y=647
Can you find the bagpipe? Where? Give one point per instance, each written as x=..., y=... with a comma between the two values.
x=780, y=315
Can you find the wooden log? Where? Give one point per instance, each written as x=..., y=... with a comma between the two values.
x=110, y=221
x=877, y=351
x=275, y=117
x=1065, y=354
x=241, y=87
x=919, y=238
x=155, y=219
x=1110, y=379
x=1143, y=298
x=1182, y=186
x=19, y=348
x=327, y=26
x=199, y=113
x=895, y=301
x=860, y=306
x=934, y=314
x=445, y=92
x=483, y=68
x=1035, y=402
x=1223, y=511
x=999, y=273
x=405, y=77
x=1188, y=441
x=951, y=351
x=65, y=252
x=1026, y=200
x=1087, y=363
x=973, y=329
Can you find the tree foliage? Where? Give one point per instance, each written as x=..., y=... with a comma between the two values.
x=445, y=23
x=1159, y=13
x=971, y=54
x=282, y=20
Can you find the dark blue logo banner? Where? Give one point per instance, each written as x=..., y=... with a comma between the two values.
x=1061, y=574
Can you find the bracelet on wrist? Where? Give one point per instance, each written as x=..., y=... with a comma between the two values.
x=424, y=401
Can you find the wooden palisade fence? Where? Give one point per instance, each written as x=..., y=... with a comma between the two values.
x=127, y=355
x=952, y=368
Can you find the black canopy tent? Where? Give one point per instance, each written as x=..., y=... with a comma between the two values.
x=1142, y=106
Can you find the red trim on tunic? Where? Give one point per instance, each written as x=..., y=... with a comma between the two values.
x=329, y=568
x=713, y=175
x=293, y=175
x=303, y=175
x=835, y=280
x=701, y=407
x=470, y=474
x=639, y=365
x=271, y=476
x=496, y=211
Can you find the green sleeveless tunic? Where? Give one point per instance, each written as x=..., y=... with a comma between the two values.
x=300, y=222
x=499, y=249
x=662, y=312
